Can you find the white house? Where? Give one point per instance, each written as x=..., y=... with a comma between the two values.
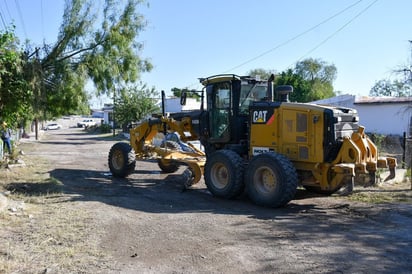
x=107, y=114
x=383, y=115
x=171, y=105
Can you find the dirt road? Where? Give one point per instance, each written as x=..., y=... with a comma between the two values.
x=147, y=224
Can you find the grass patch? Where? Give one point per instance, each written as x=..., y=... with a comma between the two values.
x=105, y=132
x=30, y=179
x=46, y=187
x=408, y=176
x=367, y=197
x=398, y=192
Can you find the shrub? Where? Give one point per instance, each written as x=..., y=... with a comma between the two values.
x=105, y=128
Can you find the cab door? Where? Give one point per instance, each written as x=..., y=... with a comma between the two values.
x=219, y=107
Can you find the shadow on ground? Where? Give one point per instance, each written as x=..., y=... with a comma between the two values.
x=149, y=191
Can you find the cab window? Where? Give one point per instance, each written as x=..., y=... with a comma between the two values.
x=250, y=93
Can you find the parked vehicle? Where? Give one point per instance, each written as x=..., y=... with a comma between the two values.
x=86, y=123
x=53, y=126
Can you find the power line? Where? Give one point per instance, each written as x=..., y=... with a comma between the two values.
x=7, y=9
x=295, y=37
x=337, y=31
x=21, y=18
x=42, y=19
x=2, y=20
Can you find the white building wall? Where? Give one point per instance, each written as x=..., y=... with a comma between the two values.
x=106, y=117
x=384, y=119
x=173, y=105
x=191, y=104
x=388, y=118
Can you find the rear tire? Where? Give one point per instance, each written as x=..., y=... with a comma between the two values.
x=224, y=174
x=122, y=160
x=271, y=180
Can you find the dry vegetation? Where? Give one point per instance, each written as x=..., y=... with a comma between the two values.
x=40, y=232
x=396, y=191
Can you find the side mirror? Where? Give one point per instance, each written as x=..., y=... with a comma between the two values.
x=183, y=98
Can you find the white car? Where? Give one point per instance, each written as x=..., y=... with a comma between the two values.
x=53, y=126
x=86, y=123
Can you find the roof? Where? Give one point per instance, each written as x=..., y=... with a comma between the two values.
x=381, y=100
x=229, y=77
x=335, y=100
x=218, y=78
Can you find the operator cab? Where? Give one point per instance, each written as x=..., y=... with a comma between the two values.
x=225, y=123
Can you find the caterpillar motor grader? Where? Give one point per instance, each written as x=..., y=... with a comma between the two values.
x=254, y=139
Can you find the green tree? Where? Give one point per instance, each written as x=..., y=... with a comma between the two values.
x=135, y=103
x=389, y=88
x=401, y=87
x=262, y=73
x=109, y=55
x=312, y=79
x=15, y=95
x=113, y=56
x=315, y=69
x=177, y=92
x=301, y=87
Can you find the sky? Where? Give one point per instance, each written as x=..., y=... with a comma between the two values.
x=188, y=39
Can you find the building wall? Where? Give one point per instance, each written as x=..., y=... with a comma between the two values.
x=173, y=105
x=106, y=117
x=387, y=119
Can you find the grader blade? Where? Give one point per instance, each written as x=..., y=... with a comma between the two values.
x=391, y=174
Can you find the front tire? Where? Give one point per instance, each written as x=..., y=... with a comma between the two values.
x=122, y=160
x=167, y=165
x=271, y=180
x=224, y=174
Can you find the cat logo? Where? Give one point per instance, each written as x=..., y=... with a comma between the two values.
x=259, y=116
x=262, y=116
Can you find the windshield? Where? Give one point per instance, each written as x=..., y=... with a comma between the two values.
x=251, y=93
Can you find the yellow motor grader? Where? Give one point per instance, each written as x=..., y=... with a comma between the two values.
x=254, y=139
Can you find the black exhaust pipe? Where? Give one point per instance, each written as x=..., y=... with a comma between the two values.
x=270, y=88
x=283, y=92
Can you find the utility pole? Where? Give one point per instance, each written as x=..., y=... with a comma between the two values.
x=37, y=91
x=410, y=69
x=113, y=109
x=410, y=119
